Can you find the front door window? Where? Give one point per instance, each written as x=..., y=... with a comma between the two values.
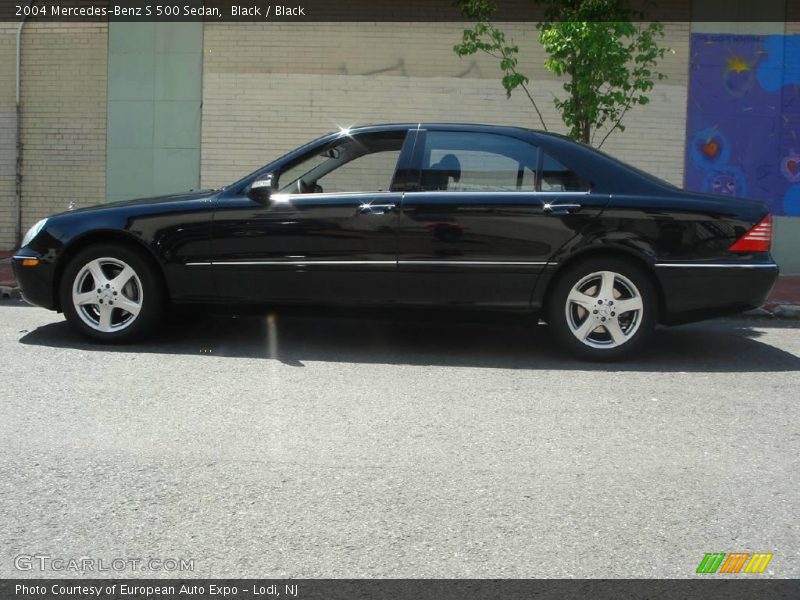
x=363, y=163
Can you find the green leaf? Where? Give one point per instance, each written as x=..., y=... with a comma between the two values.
x=606, y=54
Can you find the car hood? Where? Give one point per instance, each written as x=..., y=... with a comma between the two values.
x=155, y=200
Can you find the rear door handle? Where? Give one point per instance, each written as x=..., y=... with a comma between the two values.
x=376, y=209
x=559, y=210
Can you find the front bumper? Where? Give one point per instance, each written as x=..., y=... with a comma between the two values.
x=35, y=282
x=697, y=291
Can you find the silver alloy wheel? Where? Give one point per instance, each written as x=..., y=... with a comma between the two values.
x=107, y=294
x=604, y=309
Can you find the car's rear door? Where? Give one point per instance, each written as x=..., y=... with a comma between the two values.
x=477, y=229
x=327, y=236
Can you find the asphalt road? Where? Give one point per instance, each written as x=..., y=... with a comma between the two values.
x=367, y=447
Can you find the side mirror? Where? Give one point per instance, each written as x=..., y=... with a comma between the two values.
x=262, y=188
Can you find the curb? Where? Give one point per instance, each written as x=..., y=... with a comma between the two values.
x=787, y=311
x=775, y=311
x=9, y=293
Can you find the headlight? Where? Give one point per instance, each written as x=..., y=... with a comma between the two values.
x=33, y=232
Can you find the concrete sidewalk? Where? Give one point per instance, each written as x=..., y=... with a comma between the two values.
x=8, y=284
x=784, y=301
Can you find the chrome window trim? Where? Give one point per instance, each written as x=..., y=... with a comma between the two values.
x=498, y=193
x=286, y=197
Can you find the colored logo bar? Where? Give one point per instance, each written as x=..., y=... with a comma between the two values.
x=734, y=562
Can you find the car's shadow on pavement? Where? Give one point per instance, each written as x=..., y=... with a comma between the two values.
x=492, y=342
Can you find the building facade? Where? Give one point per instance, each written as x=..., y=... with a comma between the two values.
x=120, y=110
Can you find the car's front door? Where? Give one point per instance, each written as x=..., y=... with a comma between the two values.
x=328, y=233
x=488, y=212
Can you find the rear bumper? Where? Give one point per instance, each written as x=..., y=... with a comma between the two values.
x=697, y=291
x=36, y=283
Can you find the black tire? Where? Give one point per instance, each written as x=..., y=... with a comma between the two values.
x=144, y=290
x=636, y=327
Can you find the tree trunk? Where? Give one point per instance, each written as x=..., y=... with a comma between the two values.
x=583, y=127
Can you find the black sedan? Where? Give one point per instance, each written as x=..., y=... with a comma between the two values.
x=420, y=215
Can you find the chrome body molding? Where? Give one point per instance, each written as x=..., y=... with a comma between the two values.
x=303, y=263
x=719, y=265
x=477, y=263
x=290, y=263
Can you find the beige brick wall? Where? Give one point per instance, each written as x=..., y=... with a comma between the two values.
x=7, y=134
x=64, y=69
x=269, y=87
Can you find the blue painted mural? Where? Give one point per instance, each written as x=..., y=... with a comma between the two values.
x=743, y=118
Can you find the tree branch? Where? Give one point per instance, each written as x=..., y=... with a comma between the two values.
x=626, y=107
x=618, y=121
x=524, y=87
x=536, y=108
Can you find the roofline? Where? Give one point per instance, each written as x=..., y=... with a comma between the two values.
x=443, y=125
x=438, y=125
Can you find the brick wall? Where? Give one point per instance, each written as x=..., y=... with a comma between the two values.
x=7, y=134
x=269, y=87
x=64, y=119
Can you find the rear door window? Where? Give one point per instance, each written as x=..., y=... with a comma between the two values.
x=557, y=177
x=477, y=162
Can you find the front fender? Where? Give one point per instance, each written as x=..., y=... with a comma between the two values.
x=171, y=234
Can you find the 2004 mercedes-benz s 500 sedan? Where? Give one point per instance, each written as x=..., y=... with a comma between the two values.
x=432, y=214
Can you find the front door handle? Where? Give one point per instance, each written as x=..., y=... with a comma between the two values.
x=560, y=210
x=376, y=209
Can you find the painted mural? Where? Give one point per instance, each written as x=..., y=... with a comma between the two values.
x=743, y=118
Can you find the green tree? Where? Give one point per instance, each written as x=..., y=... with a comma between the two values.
x=606, y=54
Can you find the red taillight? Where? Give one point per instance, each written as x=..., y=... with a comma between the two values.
x=758, y=239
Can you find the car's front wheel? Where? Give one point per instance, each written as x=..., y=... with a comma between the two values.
x=603, y=308
x=111, y=294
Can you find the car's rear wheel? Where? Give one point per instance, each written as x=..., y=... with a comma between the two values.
x=111, y=294
x=603, y=308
